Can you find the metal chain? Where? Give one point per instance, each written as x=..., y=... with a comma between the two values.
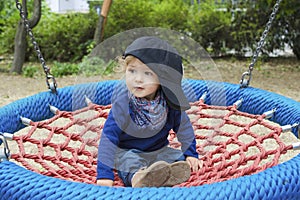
x=50, y=80
x=244, y=82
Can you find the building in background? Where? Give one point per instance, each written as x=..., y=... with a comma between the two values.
x=64, y=6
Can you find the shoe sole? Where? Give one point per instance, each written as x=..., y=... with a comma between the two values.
x=180, y=172
x=153, y=176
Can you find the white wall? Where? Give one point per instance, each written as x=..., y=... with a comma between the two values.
x=82, y=5
x=63, y=6
x=53, y=5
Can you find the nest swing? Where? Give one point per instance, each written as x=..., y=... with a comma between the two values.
x=228, y=173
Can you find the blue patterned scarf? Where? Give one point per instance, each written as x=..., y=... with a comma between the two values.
x=152, y=114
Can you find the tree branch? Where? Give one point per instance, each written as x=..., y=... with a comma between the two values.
x=36, y=15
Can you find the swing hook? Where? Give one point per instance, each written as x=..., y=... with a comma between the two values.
x=51, y=82
x=244, y=82
x=5, y=152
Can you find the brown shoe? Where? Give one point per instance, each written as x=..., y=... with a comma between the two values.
x=153, y=176
x=180, y=172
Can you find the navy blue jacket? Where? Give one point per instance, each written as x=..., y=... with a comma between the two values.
x=120, y=131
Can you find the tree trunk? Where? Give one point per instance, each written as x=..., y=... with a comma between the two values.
x=99, y=32
x=20, y=49
x=296, y=46
x=20, y=38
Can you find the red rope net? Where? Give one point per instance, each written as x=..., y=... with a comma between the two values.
x=66, y=145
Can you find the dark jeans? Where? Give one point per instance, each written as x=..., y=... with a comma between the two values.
x=128, y=162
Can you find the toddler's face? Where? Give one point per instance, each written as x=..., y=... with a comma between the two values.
x=141, y=81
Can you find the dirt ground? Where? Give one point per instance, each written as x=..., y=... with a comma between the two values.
x=277, y=75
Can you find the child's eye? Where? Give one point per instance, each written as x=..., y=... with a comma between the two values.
x=149, y=73
x=131, y=70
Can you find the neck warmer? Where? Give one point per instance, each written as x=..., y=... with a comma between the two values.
x=152, y=114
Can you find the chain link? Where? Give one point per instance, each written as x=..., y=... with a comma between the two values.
x=50, y=80
x=247, y=76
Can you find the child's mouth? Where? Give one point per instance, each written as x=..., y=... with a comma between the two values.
x=138, y=88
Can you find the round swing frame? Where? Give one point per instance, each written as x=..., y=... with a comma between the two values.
x=279, y=182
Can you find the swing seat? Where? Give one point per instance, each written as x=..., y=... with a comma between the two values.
x=278, y=182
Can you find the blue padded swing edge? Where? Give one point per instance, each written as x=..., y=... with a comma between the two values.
x=279, y=182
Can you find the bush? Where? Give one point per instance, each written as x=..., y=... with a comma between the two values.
x=287, y=26
x=69, y=37
x=63, y=69
x=61, y=37
x=91, y=66
x=128, y=14
x=31, y=71
x=65, y=37
x=248, y=26
x=8, y=26
x=171, y=14
x=210, y=27
x=206, y=26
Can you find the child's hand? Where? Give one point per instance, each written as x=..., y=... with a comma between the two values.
x=105, y=182
x=195, y=163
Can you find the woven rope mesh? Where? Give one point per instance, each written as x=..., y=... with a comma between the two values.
x=231, y=144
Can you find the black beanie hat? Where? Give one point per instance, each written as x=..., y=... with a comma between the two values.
x=166, y=63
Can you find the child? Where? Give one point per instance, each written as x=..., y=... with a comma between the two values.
x=135, y=135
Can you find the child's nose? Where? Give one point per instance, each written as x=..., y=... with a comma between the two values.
x=139, y=77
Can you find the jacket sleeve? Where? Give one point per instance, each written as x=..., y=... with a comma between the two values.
x=107, y=148
x=185, y=134
x=114, y=124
